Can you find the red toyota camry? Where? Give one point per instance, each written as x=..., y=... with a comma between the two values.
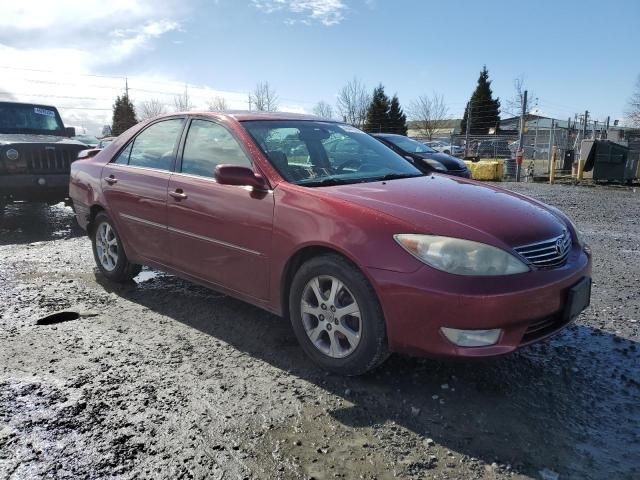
x=321, y=223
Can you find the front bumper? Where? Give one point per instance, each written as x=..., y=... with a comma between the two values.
x=527, y=307
x=34, y=187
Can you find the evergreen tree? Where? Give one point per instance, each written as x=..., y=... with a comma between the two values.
x=124, y=115
x=485, y=111
x=378, y=112
x=397, y=118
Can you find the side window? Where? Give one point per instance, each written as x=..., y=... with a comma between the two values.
x=208, y=145
x=123, y=157
x=154, y=147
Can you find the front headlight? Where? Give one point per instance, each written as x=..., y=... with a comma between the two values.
x=460, y=257
x=436, y=164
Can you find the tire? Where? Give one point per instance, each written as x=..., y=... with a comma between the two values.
x=110, y=257
x=344, y=343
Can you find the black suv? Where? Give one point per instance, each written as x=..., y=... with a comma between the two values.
x=35, y=154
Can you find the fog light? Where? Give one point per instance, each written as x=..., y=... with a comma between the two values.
x=41, y=181
x=471, y=338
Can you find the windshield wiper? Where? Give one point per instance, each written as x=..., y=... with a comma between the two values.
x=396, y=176
x=328, y=181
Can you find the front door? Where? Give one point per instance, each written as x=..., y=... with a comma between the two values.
x=135, y=189
x=218, y=233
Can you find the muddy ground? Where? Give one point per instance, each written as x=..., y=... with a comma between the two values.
x=165, y=379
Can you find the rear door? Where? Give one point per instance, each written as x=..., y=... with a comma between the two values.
x=218, y=233
x=135, y=188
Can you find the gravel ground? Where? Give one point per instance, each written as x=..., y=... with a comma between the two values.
x=165, y=379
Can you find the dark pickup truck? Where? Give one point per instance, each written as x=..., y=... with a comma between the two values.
x=36, y=152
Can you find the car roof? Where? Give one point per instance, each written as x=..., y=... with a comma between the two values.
x=28, y=103
x=242, y=115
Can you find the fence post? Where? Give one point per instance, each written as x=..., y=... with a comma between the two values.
x=521, y=140
x=552, y=165
x=551, y=142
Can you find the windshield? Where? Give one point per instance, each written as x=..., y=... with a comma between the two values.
x=313, y=153
x=409, y=145
x=21, y=118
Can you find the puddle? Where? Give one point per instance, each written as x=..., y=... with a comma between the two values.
x=146, y=275
x=58, y=317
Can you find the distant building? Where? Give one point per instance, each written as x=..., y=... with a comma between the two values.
x=444, y=130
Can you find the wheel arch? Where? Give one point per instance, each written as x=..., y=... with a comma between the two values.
x=300, y=257
x=94, y=210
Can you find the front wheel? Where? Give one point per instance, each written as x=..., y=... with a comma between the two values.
x=336, y=316
x=108, y=252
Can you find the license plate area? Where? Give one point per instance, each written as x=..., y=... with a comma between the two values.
x=579, y=298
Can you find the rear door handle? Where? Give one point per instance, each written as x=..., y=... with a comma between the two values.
x=111, y=180
x=178, y=194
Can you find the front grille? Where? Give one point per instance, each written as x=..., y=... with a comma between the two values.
x=548, y=253
x=542, y=328
x=48, y=159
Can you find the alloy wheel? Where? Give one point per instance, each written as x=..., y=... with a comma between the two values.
x=107, y=247
x=331, y=316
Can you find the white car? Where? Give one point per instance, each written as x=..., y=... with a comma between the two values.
x=444, y=147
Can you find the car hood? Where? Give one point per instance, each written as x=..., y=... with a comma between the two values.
x=452, y=163
x=451, y=206
x=10, y=138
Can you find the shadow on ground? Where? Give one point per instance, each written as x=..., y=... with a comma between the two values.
x=569, y=404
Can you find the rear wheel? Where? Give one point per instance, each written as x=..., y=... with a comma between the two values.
x=336, y=316
x=108, y=252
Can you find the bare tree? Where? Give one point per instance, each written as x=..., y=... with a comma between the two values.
x=633, y=107
x=182, y=102
x=150, y=108
x=323, y=109
x=263, y=98
x=353, y=101
x=429, y=112
x=513, y=105
x=217, y=104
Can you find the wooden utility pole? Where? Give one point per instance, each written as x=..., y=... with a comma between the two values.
x=584, y=136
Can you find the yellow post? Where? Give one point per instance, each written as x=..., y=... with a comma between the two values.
x=552, y=167
x=580, y=169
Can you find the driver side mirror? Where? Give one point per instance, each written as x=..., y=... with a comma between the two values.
x=241, y=176
x=69, y=131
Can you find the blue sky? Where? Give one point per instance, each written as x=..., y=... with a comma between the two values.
x=574, y=55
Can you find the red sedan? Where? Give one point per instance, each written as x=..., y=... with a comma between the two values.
x=321, y=223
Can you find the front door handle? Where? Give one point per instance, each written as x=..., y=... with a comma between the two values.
x=111, y=180
x=178, y=194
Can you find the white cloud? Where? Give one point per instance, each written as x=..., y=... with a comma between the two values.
x=50, y=49
x=327, y=12
x=42, y=62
